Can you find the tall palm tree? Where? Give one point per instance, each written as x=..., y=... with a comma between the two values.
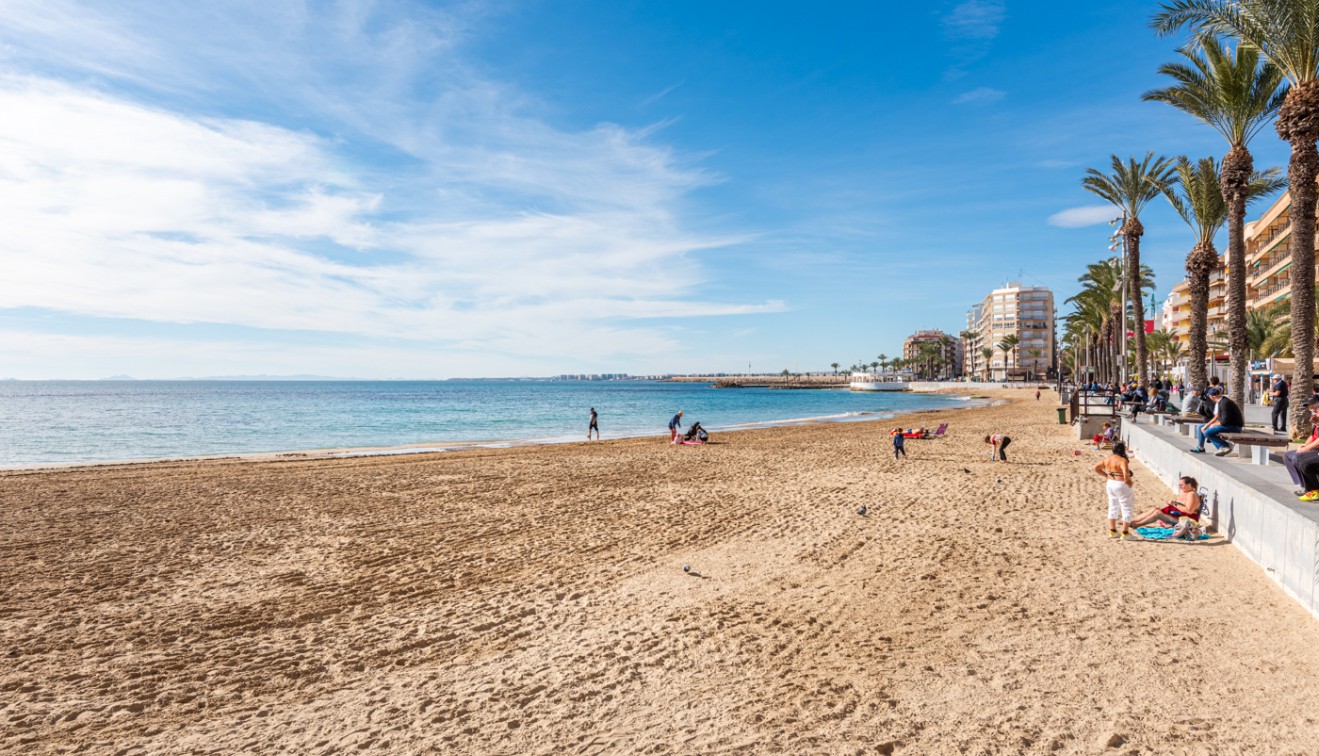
x=1199, y=198
x=1286, y=33
x=1229, y=90
x=834, y=365
x=1006, y=346
x=1099, y=309
x=883, y=360
x=987, y=353
x=1129, y=188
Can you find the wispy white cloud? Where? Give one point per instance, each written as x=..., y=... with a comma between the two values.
x=979, y=96
x=971, y=27
x=1079, y=217
x=665, y=92
x=977, y=20
x=490, y=230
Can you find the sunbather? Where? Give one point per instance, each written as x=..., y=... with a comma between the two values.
x=1187, y=504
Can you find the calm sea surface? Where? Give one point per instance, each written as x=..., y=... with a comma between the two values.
x=44, y=422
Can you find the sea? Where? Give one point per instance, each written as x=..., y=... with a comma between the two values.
x=72, y=422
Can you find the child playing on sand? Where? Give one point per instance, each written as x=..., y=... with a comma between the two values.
x=1000, y=445
x=1105, y=436
x=899, y=443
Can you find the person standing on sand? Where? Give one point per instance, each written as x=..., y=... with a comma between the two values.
x=1037, y=395
x=1116, y=469
x=1000, y=444
x=899, y=443
x=674, y=425
x=594, y=426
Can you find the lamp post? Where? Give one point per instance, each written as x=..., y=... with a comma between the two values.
x=1118, y=243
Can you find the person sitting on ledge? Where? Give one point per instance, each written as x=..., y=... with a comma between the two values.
x=1187, y=504
x=1303, y=464
x=1227, y=418
x=1191, y=404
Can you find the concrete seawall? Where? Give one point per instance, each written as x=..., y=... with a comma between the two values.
x=1252, y=505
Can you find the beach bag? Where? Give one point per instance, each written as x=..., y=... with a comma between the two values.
x=1187, y=529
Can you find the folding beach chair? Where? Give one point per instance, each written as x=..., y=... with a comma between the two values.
x=942, y=429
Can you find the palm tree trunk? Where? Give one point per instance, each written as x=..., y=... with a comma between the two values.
x=1238, y=165
x=1134, y=230
x=1199, y=264
x=1298, y=123
x=1301, y=175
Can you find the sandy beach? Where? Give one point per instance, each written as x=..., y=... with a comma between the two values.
x=533, y=601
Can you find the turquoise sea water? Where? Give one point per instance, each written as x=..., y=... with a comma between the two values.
x=60, y=422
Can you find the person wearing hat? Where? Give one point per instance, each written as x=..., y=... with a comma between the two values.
x=1279, y=391
x=1227, y=419
x=1191, y=404
x=1303, y=464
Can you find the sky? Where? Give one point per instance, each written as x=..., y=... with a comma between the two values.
x=425, y=189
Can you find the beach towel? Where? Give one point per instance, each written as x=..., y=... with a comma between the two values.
x=1163, y=534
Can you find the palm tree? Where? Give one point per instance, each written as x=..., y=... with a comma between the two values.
x=1129, y=188
x=1098, y=309
x=834, y=365
x=1236, y=96
x=874, y=366
x=1006, y=346
x=1199, y=198
x=1286, y=33
x=988, y=354
x=883, y=359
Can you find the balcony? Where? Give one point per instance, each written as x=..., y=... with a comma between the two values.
x=1270, y=239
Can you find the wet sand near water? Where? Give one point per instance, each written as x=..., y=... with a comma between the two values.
x=532, y=600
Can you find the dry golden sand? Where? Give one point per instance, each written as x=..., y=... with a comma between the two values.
x=533, y=601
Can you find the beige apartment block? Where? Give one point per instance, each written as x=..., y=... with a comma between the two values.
x=1269, y=255
x=1024, y=311
x=1177, y=307
x=949, y=347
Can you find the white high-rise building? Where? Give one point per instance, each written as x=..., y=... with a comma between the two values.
x=1022, y=311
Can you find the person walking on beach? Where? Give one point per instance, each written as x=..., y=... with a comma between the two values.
x=594, y=426
x=1037, y=395
x=1000, y=445
x=1116, y=469
x=1279, y=393
x=674, y=425
x=899, y=443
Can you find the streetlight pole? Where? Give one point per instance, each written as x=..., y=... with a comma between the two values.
x=1119, y=244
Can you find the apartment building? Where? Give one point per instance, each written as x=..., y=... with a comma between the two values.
x=950, y=350
x=1024, y=311
x=972, y=361
x=1269, y=255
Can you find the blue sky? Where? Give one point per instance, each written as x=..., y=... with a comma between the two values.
x=432, y=189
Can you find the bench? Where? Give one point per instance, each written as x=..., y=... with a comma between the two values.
x=1255, y=445
x=1184, y=423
